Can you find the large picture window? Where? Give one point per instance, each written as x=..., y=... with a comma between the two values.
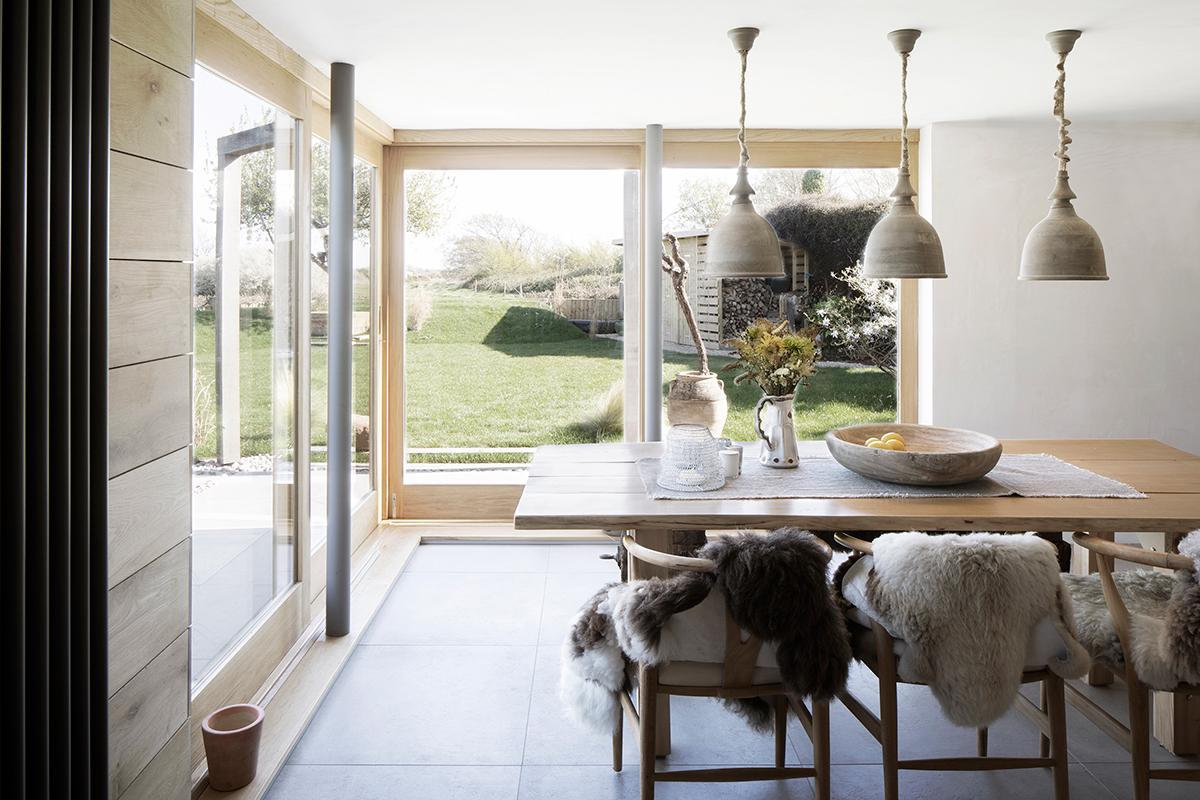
x=244, y=382
x=514, y=283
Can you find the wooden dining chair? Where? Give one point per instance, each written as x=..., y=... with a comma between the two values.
x=879, y=655
x=1134, y=737
x=737, y=677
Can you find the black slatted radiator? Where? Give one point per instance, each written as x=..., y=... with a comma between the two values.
x=54, y=379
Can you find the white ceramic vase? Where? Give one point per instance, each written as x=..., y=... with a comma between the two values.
x=773, y=424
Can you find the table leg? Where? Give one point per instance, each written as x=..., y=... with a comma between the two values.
x=1084, y=562
x=1176, y=715
x=666, y=541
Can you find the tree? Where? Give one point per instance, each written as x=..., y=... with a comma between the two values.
x=428, y=199
x=702, y=203
x=778, y=186
x=496, y=252
x=319, y=201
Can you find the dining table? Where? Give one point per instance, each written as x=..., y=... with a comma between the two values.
x=599, y=486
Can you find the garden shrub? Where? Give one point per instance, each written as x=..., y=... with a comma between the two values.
x=833, y=232
x=418, y=307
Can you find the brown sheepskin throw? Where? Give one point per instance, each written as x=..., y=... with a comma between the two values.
x=774, y=586
x=966, y=609
x=1164, y=613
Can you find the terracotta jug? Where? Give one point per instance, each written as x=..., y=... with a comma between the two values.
x=698, y=398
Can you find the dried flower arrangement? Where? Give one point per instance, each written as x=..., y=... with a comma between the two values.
x=773, y=356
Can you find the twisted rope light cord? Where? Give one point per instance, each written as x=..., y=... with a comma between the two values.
x=745, y=153
x=904, y=112
x=1060, y=92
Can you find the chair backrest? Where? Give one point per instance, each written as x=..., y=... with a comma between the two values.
x=1106, y=554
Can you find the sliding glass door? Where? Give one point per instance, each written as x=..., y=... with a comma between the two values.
x=244, y=380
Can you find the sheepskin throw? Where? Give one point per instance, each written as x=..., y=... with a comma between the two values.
x=774, y=586
x=1164, y=620
x=966, y=608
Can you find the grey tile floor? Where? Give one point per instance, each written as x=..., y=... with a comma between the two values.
x=452, y=695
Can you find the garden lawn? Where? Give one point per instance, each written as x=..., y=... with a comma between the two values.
x=492, y=370
x=255, y=351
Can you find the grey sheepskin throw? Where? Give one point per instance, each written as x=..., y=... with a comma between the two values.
x=1164, y=620
x=966, y=608
x=774, y=586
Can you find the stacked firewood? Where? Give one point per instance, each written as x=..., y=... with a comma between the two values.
x=744, y=300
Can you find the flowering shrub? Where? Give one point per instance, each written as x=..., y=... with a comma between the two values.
x=862, y=325
x=774, y=357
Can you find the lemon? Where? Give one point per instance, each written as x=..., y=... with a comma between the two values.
x=893, y=436
x=894, y=444
x=873, y=439
x=878, y=445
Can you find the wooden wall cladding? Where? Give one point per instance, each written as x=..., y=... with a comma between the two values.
x=146, y=612
x=160, y=29
x=145, y=713
x=168, y=776
x=148, y=513
x=150, y=207
x=149, y=412
x=149, y=310
x=150, y=398
x=151, y=108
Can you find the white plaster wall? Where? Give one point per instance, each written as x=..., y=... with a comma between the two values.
x=1073, y=359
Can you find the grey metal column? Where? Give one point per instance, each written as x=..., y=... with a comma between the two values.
x=652, y=286
x=341, y=231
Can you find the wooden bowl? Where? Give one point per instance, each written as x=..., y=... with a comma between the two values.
x=935, y=456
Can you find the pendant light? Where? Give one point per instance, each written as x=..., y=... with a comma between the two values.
x=743, y=244
x=1062, y=247
x=903, y=244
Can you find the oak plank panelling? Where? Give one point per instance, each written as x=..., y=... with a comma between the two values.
x=149, y=310
x=149, y=512
x=145, y=713
x=161, y=29
x=149, y=412
x=151, y=108
x=147, y=611
x=167, y=776
x=151, y=210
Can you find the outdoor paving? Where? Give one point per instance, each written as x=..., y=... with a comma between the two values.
x=452, y=695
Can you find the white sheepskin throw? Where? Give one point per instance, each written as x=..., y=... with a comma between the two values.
x=967, y=606
x=1164, y=620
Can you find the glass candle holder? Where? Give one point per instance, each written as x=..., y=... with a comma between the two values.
x=691, y=461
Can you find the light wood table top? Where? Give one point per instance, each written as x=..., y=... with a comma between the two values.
x=597, y=486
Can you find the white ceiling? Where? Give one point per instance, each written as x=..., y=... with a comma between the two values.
x=626, y=63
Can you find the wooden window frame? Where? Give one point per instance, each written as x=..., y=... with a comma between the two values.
x=587, y=149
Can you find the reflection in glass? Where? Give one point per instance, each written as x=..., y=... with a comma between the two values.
x=244, y=383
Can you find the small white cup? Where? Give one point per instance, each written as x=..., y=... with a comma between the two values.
x=731, y=460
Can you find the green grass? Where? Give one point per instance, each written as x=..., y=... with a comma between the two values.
x=256, y=395
x=496, y=371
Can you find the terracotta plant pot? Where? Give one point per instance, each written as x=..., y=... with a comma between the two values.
x=231, y=736
x=696, y=398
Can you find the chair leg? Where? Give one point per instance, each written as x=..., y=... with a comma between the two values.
x=781, y=711
x=1056, y=703
x=820, y=743
x=888, y=718
x=1139, y=734
x=981, y=742
x=1043, y=740
x=647, y=708
x=617, y=738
